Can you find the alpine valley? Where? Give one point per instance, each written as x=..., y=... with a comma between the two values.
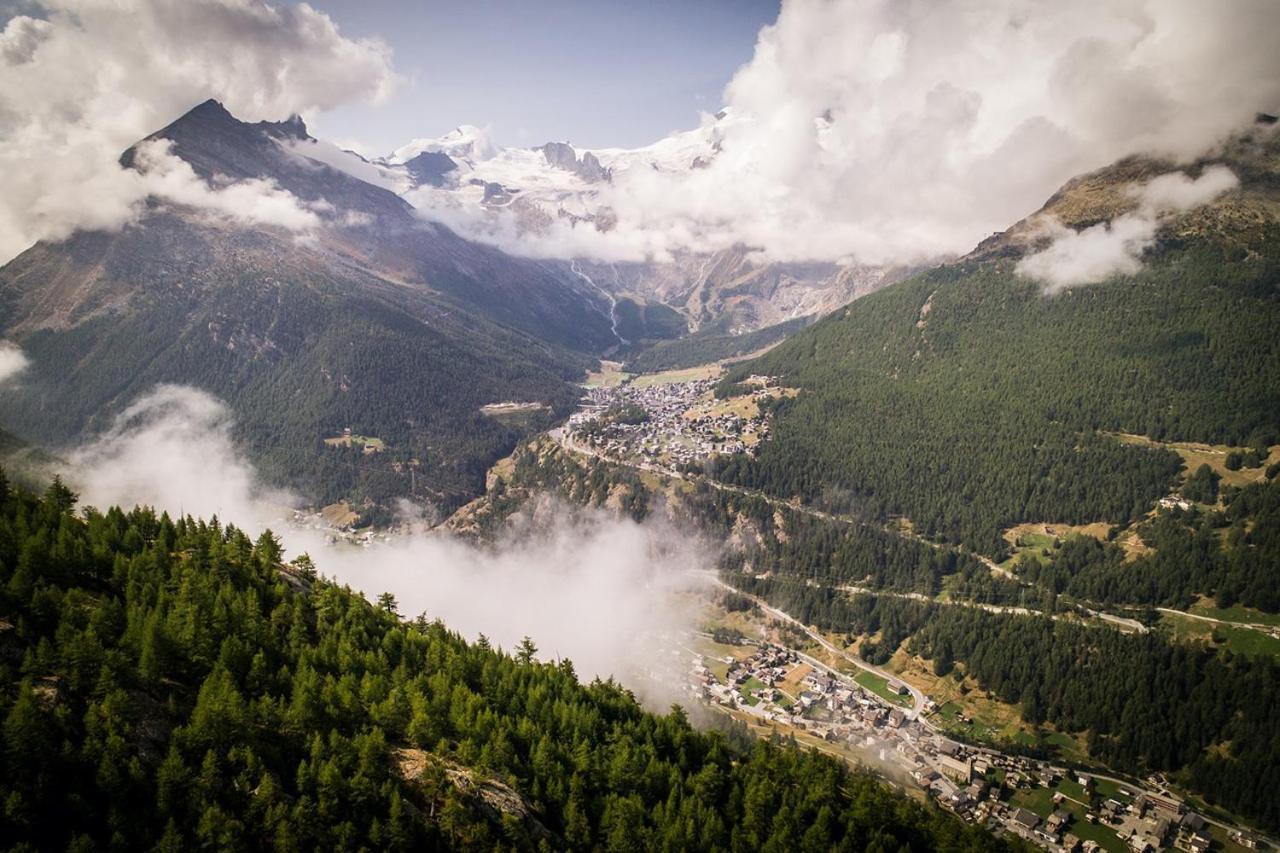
x=889, y=462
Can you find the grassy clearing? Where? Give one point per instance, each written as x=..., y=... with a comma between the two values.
x=1108, y=790
x=1236, y=613
x=689, y=374
x=880, y=687
x=745, y=688
x=609, y=375
x=1195, y=454
x=714, y=655
x=512, y=410
x=1034, y=539
x=744, y=407
x=371, y=444
x=1244, y=641
x=1038, y=800
x=340, y=514
x=791, y=685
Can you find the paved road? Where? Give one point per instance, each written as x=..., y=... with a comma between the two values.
x=1255, y=626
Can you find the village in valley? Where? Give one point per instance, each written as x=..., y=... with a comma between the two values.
x=882, y=723
x=673, y=423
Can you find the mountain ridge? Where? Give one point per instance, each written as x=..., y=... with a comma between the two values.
x=260, y=317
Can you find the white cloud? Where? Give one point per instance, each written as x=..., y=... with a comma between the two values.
x=94, y=76
x=1114, y=248
x=172, y=449
x=594, y=589
x=165, y=176
x=12, y=361
x=892, y=131
x=1175, y=191
x=1092, y=254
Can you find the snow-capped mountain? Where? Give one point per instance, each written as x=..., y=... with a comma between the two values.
x=521, y=192
x=551, y=180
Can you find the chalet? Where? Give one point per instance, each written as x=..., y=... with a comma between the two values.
x=1026, y=820
x=1058, y=820
x=1070, y=844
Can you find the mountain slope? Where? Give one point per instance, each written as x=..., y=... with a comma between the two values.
x=376, y=321
x=173, y=685
x=968, y=400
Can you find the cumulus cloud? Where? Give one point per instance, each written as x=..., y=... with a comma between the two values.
x=12, y=361
x=891, y=131
x=1114, y=248
x=599, y=591
x=85, y=79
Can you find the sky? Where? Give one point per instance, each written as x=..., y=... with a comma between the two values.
x=857, y=131
x=597, y=74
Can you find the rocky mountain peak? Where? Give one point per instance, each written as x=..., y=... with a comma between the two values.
x=563, y=156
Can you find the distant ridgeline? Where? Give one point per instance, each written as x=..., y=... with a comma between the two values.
x=171, y=685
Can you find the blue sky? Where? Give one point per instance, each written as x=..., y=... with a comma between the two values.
x=597, y=74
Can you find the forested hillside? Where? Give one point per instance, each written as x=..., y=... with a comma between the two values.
x=968, y=400
x=170, y=684
x=1232, y=555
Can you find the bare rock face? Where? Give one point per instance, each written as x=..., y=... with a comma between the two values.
x=490, y=797
x=430, y=167
x=562, y=156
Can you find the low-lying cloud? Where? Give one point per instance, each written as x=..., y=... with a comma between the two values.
x=173, y=449
x=12, y=361
x=165, y=177
x=82, y=80
x=1107, y=249
x=597, y=590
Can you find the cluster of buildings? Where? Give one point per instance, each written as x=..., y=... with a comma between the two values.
x=674, y=431
x=775, y=684
x=1145, y=822
x=980, y=785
